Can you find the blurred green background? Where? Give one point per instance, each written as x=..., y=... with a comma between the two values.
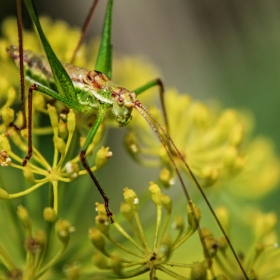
x=224, y=50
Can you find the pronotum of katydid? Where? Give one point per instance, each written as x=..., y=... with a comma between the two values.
x=101, y=94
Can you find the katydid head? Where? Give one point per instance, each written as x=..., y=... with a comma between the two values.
x=123, y=103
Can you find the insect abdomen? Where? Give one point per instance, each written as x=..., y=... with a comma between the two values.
x=36, y=67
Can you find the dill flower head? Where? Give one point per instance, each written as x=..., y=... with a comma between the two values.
x=138, y=254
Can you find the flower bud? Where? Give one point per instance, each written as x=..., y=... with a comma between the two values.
x=102, y=223
x=116, y=264
x=28, y=174
x=198, y=271
x=62, y=129
x=166, y=202
x=99, y=260
x=71, y=121
x=166, y=178
x=155, y=193
x=24, y=216
x=59, y=144
x=49, y=214
x=100, y=208
x=102, y=157
x=53, y=116
x=96, y=238
x=63, y=230
x=8, y=115
x=130, y=197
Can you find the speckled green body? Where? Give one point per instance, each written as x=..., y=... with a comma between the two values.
x=92, y=88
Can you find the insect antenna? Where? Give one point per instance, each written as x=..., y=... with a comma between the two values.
x=84, y=29
x=139, y=106
x=142, y=110
x=20, y=47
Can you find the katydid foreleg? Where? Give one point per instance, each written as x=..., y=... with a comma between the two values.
x=90, y=137
x=153, y=83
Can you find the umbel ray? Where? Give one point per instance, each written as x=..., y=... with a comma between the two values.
x=93, y=92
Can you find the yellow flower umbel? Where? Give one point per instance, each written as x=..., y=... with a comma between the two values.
x=61, y=169
x=137, y=254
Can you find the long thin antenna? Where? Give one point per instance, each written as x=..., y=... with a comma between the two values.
x=196, y=183
x=20, y=47
x=84, y=29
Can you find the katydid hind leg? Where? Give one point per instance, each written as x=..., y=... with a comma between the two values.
x=98, y=186
x=29, y=124
x=25, y=123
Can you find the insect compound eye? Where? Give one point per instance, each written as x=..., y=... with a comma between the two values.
x=120, y=101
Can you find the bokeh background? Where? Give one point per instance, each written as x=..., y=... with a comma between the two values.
x=212, y=49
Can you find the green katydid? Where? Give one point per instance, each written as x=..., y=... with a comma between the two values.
x=91, y=91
